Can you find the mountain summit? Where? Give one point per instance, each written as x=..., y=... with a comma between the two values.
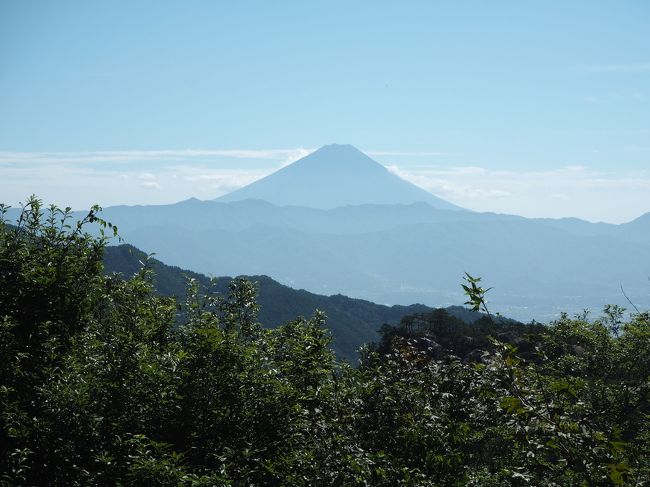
x=333, y=176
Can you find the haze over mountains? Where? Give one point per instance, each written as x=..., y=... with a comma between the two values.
x=360, y=230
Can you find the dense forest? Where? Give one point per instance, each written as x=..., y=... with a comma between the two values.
x=103, y=381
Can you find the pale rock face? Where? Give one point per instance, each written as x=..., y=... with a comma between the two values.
x=334, y=176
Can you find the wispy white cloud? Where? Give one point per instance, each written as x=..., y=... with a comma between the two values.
x=633, y=97
x=149, y=181
x=150, y=185
x=614, y=68
x=573, y=190
x=84, y=157
x=217, y=181
x=412, y=154
x=296, y=154
x=80, y=186
x=82, y=178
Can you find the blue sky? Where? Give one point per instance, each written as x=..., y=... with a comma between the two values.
x=533, y=108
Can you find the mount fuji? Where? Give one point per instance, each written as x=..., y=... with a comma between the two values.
x=334, y=176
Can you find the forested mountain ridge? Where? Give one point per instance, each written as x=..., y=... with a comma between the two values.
x=353, y=322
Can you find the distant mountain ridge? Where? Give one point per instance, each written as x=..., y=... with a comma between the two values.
x=334, y=176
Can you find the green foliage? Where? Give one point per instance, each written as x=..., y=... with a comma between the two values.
x=440, y=335
x=475, y=294
x=106, y=382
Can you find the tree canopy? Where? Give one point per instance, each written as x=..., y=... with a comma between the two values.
x=101, y=385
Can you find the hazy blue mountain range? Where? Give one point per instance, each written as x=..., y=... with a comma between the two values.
x=397, y=253
x=335, y=175
x=412, y=254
